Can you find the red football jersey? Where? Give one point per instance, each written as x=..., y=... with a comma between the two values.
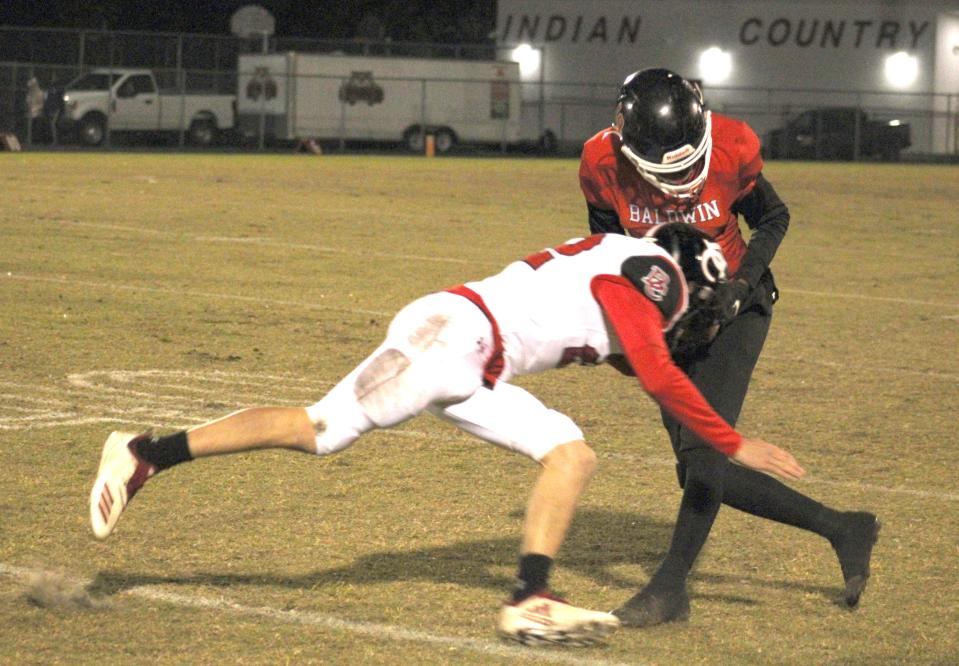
x=610, y=182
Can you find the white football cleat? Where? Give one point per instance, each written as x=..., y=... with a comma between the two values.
x=543, y=618
x=120, y=476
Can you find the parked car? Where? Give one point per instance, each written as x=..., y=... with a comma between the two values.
x=830, y=134
x=129, y=100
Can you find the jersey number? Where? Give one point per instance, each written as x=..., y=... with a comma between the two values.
x=568, y=250
x=584, y=355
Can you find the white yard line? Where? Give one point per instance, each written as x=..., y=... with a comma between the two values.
x=375, y=630
x=259, y=240
x=112, y=286
x=312, y=305
x=451, y=260
x=270, y=242
x=845, y=367
x=867, y=297
x=179, y=419
x=887, y=490
x=852, y=485
x=108, y=396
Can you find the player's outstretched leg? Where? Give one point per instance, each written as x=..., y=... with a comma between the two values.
x=129, y=459
x=543, y=618
x=853, y=546
x=121, y=474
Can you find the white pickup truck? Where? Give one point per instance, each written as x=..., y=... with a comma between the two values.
x=129, y=100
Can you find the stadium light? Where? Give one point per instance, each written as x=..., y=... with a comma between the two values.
x=902, y=70
x=715, y=65
x=529, y=59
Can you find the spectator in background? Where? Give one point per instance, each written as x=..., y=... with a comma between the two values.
x=35, y=99
x=52, y=108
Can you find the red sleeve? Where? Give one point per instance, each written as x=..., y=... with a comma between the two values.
x=589, y=183
x=639, y=324
x=737, y=146
x=750, y=160
x=598, y=158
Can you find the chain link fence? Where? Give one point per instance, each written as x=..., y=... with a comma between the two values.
x=552, y=114
x=792, y=123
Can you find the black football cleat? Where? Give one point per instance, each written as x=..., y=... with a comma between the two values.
x=854, y=549
x=652, y=607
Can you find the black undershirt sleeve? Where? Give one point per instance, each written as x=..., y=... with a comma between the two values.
x=768, y=217
x=603, y=221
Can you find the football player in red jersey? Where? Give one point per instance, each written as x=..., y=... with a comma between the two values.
x=667, y=158
x=452, y=354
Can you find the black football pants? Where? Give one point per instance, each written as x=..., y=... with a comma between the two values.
x=708, y=478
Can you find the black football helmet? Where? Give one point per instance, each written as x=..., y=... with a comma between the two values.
x=667, y=132
x=704, y=268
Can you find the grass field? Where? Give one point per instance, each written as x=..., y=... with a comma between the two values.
x=162, y=290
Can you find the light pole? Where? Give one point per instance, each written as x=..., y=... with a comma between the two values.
x=532, y=64
x=541, y=51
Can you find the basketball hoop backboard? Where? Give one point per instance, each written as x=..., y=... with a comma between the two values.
x=252, y=21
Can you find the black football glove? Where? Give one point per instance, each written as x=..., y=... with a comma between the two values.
x=696, y=328
x=730, y=297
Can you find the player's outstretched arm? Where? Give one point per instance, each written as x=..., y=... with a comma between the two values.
x=638, y=325
x=765, y=457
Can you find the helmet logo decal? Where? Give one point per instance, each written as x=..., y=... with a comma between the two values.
x=678, y=154
x=656, y=283
x=712, y=262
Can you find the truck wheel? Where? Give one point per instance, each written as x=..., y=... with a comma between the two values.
x=415, y=140
x=890, y=152
x=92, y=130
x=202, y=132
x=444, y=141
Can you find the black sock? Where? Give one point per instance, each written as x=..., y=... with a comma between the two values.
x=166, y=451
x=532, y=576
x=761, y=495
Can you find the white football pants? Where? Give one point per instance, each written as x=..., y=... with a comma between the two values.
x=433, y=359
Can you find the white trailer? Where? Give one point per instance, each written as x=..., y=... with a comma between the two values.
x=292, y=96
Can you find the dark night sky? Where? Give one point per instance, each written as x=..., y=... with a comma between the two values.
x=442, y=21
